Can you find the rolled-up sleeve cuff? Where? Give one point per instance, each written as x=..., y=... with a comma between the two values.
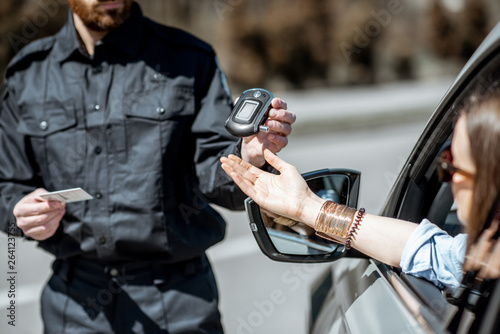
x=433, y=254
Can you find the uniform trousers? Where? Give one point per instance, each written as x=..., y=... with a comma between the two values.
x=83, y=296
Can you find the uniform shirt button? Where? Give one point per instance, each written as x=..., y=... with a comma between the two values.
x=160, y=110
x=44, y=125
x=102, y=240
x=98, y=195
x=98, y=150
x=97, y=69
x=113, y=272
x=97, y=107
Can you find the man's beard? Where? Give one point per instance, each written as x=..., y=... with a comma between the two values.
x=98, y=18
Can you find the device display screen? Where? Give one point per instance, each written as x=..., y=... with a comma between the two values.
x=247, y=110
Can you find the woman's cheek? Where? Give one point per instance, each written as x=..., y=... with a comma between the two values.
x=463, y=198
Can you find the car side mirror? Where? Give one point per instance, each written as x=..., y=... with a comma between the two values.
x=284, y=240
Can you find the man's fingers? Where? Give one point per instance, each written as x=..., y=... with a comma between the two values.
x=40, y=219
x=49, y=228
x=278, y=141
x=45, y=231
x=282, y=115
x=27, y=209
x=279, y=103
x=279, y=127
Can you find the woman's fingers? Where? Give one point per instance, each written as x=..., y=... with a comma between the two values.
x=491, y=269
x=242, y=168
x=241, y=176
x=275, y=161
x=484, y=254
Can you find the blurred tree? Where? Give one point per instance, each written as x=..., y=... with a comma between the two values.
x=22, y=21
x=297, y=43
x=442, y=33
x=355, y=36
x=475, y=27
x=281, y=40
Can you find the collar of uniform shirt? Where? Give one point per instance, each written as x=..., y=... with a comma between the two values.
x=127, y=37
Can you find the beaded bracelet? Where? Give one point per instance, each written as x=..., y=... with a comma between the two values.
x=354, y=227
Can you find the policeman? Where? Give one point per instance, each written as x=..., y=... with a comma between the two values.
x=133, y=112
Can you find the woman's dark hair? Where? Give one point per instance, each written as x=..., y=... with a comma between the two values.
x=482, y=119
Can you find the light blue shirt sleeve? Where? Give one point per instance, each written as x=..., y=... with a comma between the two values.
x=433, y=254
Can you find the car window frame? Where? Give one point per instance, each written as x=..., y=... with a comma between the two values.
x=409, y=197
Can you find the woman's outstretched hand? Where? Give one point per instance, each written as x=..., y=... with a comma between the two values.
x=286, y=194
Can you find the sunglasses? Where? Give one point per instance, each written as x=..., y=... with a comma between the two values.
x=445, y=167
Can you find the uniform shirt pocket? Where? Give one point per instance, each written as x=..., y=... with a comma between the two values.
x=161, y=103
x=156, y=122
x=59, y=147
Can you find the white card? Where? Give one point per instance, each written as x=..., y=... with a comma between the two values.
x=67, y=196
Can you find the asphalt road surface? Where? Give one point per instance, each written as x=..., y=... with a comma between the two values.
x=257, y=295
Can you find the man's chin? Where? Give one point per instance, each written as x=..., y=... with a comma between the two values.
x=102, y=17
x=105, y=25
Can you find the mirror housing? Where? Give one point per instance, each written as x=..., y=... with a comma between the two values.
x=284, y=240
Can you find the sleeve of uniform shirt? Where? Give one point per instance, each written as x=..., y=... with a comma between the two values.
x=16, y=172
x=433, y=254
x=213, y=141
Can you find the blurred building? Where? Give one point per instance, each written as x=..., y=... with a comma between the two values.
x=284, y=44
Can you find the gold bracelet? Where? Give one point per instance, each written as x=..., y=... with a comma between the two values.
x=327, y=208
x=334, y=220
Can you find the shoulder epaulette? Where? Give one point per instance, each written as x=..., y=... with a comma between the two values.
x=33, y=51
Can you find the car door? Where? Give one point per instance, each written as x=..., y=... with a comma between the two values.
x=382, y=299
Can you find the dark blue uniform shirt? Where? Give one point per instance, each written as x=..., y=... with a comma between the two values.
x=139, y=125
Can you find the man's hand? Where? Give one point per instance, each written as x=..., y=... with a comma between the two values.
x=280, y=126
x=38, y=218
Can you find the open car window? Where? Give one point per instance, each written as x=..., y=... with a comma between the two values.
x=419, y=193
x=425, y=195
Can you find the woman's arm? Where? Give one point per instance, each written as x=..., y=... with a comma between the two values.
x=288, y=195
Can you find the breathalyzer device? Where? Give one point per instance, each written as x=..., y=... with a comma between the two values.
x=250, y=113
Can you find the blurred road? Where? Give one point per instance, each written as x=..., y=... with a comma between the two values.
x=358, y=129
